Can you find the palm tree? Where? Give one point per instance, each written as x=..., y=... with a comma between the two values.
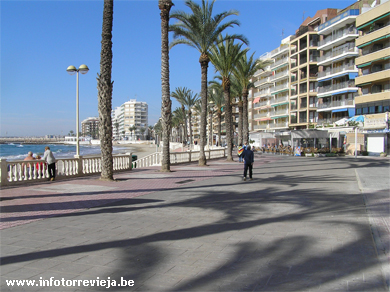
x=224, y=57
x=243, y=72
x=116, y=124
x=105, y=86
x=166, y=103
x=179, y=119
x=236, y=94
x=179, y=94
x=218, y=99
x=190, y=101
x=200, y=30
x=132, y=130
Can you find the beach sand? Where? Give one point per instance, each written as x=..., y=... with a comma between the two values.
x=141, y=150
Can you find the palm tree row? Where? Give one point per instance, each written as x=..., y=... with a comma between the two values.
x=203, y=31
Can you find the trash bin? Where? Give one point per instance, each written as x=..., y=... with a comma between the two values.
x=134, y=158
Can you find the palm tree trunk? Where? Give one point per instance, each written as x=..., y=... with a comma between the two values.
x=228, y=118
x=219, y=128
x=240, y=118
x=189, y=121
x=185, y=121
x=204, y=63
x=245, y=123
x=105, y=92
x=211, y=128
x=166, y=104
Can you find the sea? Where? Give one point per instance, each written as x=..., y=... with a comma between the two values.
x=15, y=151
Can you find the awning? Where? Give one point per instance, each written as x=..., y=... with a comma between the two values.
x=279, y=104
x=279, y=117
x=265, y=119
x=351, y=112
x=345, y=91
x=309, y=134
x=364, y=65
x=339, y=110
x=352, y=75
x=256, y=100
x=372, y=21
x=377, y=39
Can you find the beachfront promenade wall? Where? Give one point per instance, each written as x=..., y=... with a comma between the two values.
x=19, y=171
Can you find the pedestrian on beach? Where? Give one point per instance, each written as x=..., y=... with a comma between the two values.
x=249, y=159
x=51, y=163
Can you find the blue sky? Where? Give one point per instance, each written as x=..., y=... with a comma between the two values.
x=40, y=39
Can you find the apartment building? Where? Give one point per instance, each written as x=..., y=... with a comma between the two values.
x=260, y=104
x=374, y=59
x=132, y=113
x=304, y=57
x=90, y=127
x=374, y=74
x=337, y=70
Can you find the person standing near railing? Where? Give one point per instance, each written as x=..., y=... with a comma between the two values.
x=51, y=163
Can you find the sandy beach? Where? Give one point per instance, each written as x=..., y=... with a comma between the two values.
x=141, y=150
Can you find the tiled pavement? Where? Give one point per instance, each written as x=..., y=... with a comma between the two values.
x=300, y=225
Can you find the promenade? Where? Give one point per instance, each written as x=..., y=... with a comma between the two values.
x=302, y=224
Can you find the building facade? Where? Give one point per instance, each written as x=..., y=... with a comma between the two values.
x=130, y=120
x=90, y=127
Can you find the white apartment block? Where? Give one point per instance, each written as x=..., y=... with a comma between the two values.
x=132, y=113
x=337, y=70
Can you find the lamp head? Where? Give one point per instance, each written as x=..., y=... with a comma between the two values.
x=71, y=70
x=83, y=69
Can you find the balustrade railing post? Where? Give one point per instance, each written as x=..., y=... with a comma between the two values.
x=130, y=159
x=79, y=165
x=3, y=171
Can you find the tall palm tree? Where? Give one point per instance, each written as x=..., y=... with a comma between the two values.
x=132, y=130
x=178, y=120
x=105, y=85
x=179, y=94
x=224, y=57
x=200, y=30
x=190, y=101
x=236, y=94
x=166, y=103
x=243, y=72
x=219, y=100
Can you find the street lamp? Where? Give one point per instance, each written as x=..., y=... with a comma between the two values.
x=83, y=69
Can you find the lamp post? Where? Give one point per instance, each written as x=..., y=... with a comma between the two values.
x=83, y=69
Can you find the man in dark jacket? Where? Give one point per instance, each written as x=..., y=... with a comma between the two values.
x=248, y=157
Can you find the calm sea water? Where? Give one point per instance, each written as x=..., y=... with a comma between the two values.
x=19, y=151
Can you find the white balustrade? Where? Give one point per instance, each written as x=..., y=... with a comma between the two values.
x=20, y=171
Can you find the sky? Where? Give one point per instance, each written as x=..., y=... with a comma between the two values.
x=40, y=39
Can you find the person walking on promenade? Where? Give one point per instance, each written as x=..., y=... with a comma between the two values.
x=51, y=163
x=240, y=151
x=248, y=161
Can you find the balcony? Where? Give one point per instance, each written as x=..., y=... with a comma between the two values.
x=279, y=63
x=262, y=115
x=278, y=88
x=263, y=81
x=334, y=88
x=277, y=51
x=260, y=127
x=334, y=104
x=279, y=76
x=338, y=37
x=338, y=21
x=334, y=71
x=279, y=125
x=338, y=54
x=283, y=112
x=266, y=72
